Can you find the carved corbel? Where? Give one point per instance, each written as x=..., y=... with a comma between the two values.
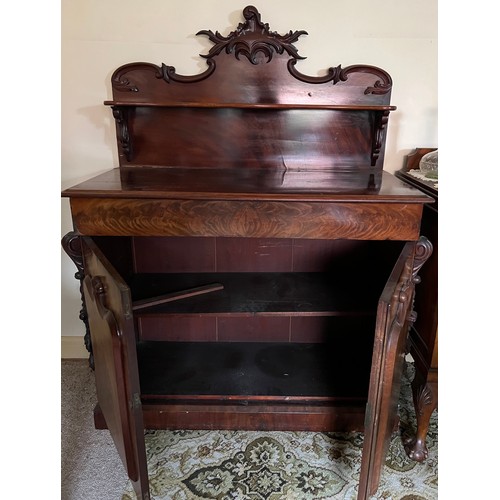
x=121, y=115
x=423, y=251
x=71, y=244
x=380, y=125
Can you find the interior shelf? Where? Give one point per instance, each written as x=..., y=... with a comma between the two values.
x=258, y=294
x=246, y=372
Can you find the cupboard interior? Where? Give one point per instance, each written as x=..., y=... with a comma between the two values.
x=292, y=328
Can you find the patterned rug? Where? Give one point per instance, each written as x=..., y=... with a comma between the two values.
x=253, y=465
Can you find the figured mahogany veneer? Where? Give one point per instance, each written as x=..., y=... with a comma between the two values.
x=249, y=265
x=102, y=217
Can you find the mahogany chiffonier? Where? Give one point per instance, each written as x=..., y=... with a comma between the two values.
x=423, y=335
x=249, y=264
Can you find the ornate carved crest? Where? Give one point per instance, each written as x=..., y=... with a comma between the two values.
x=251, y=38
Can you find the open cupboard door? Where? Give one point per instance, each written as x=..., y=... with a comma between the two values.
x=108, y=303
x=393, y=315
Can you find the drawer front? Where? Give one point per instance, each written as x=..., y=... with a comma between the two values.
x=253, y=219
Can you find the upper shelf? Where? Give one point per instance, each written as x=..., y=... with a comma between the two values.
x=243, y=105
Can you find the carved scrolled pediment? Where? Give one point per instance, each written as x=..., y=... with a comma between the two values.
x=254, y=42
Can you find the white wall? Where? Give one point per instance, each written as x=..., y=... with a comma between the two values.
x=399, y=36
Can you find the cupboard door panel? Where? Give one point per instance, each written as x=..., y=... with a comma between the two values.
x=108, y=304
x=389, y=349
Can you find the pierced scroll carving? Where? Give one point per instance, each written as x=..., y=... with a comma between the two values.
x=334, y=75
x=251, y=38
x=122, y=83
x=337, y=74
x=72, y=246
x=169, y=75
x=121, y=117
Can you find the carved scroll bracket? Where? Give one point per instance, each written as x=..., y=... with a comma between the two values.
x=379, y=128
x=423, y=251
x=71, y=244
x=121, y=116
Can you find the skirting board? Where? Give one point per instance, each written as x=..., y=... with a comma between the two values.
x=73, y=347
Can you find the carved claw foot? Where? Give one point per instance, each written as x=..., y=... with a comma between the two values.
x=416, y=449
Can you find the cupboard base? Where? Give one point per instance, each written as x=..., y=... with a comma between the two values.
x=248, y=418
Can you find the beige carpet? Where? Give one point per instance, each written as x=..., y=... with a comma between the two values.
x=90, y=466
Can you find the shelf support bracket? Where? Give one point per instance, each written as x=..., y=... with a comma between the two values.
x=121, y=116
x=380, y=124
